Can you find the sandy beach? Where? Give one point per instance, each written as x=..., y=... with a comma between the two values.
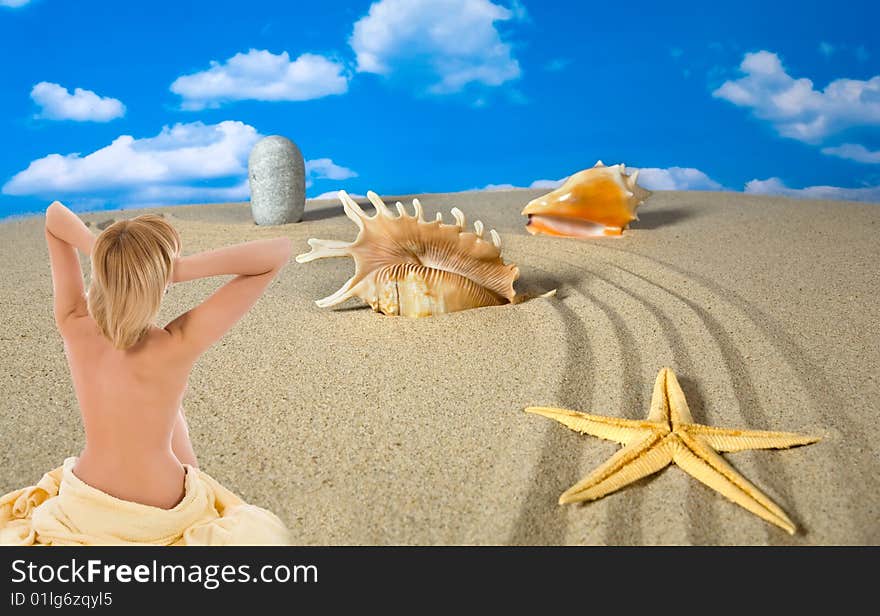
x=356, y=428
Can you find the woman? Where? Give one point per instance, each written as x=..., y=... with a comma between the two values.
x=129, y=374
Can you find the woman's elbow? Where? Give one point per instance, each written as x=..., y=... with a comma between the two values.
x=55, y=212
x=53, y=207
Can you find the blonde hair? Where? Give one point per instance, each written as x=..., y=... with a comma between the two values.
x=131, y=268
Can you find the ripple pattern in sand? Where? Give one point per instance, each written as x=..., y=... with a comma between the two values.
x=732, y=366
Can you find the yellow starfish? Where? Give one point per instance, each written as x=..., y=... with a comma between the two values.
x=670, y=436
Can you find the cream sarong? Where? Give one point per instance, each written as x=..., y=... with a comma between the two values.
x=63, y=510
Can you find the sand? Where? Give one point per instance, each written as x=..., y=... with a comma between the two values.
x=357, y=428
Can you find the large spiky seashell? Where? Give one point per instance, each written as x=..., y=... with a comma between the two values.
x=597, y=201
x=406, y=266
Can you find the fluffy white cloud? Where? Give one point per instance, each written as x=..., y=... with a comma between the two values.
x=441, y=44
x=325, y=168
x=263, y=76
x=775, y=186
x=13, y=3
x=192, y=162
x=57, y=103
x=652, y=178
x=794, y=107
x=676, y=178
x=129, y=169
x=854, y=151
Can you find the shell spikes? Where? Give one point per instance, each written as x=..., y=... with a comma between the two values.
x=405, y=265
x=594, y=202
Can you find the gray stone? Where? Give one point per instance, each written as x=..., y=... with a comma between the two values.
x=277, y=178
x=105, y=223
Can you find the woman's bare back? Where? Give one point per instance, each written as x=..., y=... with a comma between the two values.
x=130, y=401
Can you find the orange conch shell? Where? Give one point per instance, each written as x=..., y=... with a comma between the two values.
x=597, y=201
x=404, y=265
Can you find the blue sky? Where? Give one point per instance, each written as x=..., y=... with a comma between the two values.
x=108, y=104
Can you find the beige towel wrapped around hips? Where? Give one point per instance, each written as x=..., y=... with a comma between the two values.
x=63, y=510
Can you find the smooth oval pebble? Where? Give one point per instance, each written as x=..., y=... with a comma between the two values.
x=276, y=174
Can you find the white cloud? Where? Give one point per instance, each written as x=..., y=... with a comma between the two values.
x=775, y=186
x=57, y=103
x=794, y=107
x=652, y=178
x=13, y=3
x=264, y=76
x=853, y=151
x=676, y=178
x=441, y=45
x=192, y=162
x=130, y=170
x=325, y=168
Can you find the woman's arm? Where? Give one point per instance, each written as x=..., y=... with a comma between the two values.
x=256, y=264
x=250, y=259
x=65, y=233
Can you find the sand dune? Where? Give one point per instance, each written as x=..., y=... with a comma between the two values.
x=361, y=429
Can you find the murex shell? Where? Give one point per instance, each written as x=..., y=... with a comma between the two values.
x=597, y=201
x=409, y=267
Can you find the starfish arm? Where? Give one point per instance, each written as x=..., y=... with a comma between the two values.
x=708, y=467
x=722, y=439
x=637, y=460
x=659, y=410
x=623, y=431
x=668, y=402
